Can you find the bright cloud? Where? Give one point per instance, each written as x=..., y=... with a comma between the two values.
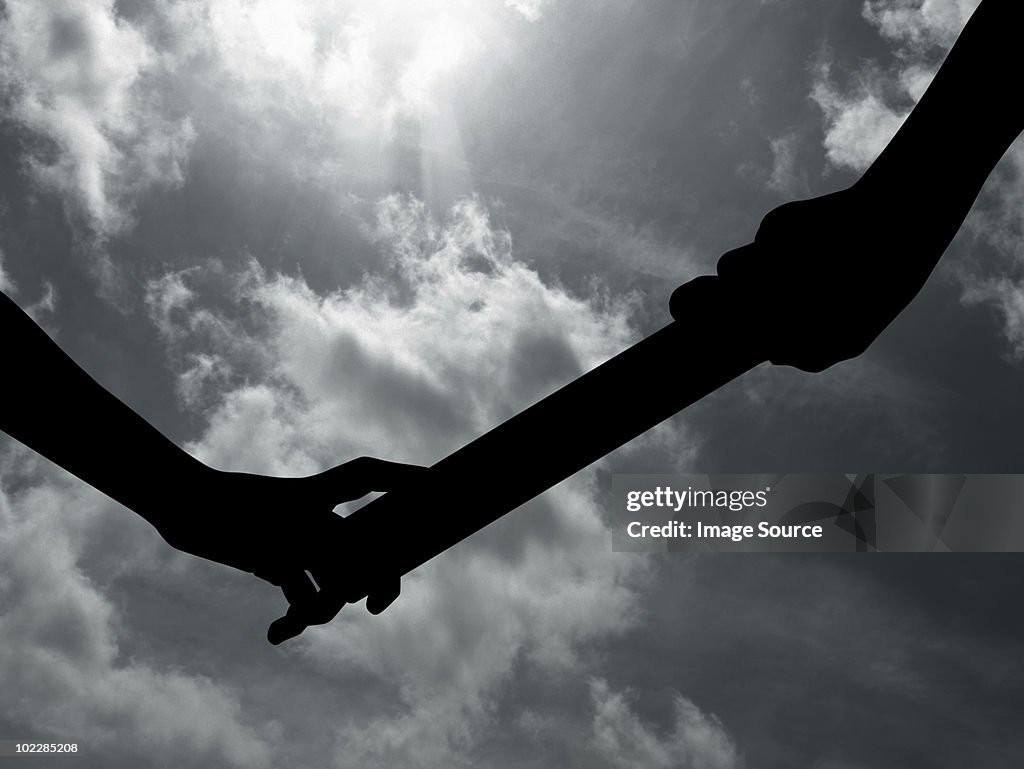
x=333, y=61
x=531, y=10
x=860, y=122
x=116, y=99
x=920, y=23
x=458, y=332
x=75, y=76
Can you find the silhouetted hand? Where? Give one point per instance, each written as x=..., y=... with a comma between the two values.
x=825, y=276
x=276, y=528
x=284, y=529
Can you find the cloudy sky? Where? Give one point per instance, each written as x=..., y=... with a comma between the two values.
x=290, y=233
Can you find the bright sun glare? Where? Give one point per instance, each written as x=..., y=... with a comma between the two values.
x=384, y=65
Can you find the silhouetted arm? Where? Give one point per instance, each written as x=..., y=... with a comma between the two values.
x=820, y=282
x=276, y=528
x=51, y=405
x=964, y=123
x=824, y=277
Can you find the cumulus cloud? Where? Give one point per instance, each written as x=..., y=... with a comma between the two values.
x=118, y=102
x=115, y=97
x=61, y=651
x=858, y=124
x=75, y=76
x=861, y=120
x=458, y=331
x=920, y=23
x=696, y=740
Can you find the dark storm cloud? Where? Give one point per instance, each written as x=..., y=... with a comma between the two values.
x=860, y=662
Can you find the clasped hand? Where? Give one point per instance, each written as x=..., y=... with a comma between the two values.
x=824, y=277
x=284, y=531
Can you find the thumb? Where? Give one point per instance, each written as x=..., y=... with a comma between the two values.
x=307, y=606
x=360, y=476
x=283, y=628
x=299, y=617
x=383, y=595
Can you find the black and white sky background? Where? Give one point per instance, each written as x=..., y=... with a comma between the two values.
x=292, y=232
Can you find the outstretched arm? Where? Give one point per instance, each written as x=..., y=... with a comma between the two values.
x=276, y=528
x=820, y=282
x=51, y=405
x=824, y=277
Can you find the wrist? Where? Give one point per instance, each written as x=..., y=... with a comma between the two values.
x=177, y=492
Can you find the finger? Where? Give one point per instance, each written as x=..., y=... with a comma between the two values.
x=295, y=582
x=318, y=609
x=308, y=605
x=374, y=578
x=384, y=595
x=299, y=590
x=691, y=299
x=740, y=263
x=365, y=474
x=324, y=608
x=288, y=626
x=774, y=222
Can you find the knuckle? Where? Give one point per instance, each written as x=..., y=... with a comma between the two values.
x=769, y=223
x=362, y=464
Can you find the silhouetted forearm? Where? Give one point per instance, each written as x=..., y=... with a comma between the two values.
x=787, y=297
x=51, y=405
x=281, y=529
x=965, y=122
